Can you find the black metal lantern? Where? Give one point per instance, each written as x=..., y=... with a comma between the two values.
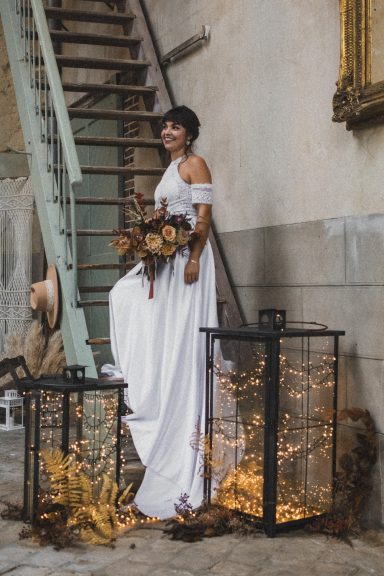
x=78, y=415
x=271, y=423
x=272, y=319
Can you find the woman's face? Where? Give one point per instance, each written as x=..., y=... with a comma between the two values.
x=174, y=137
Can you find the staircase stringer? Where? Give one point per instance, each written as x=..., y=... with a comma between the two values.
x=73, y=325
x=155, y=76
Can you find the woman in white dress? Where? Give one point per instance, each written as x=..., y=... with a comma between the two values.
x=156, y=342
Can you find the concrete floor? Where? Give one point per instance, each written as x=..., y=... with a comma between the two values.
x=146, y=551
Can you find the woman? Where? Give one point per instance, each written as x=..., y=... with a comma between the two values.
x=156, y=342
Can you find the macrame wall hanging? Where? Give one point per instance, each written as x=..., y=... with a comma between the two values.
x=16, y=214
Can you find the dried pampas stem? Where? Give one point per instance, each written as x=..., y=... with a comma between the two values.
x=54, y=358
x=34, y=348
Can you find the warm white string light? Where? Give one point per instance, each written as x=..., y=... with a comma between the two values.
x=305, y=433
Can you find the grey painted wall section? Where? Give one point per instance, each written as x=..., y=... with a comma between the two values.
x=328, y=271
x=263, y=87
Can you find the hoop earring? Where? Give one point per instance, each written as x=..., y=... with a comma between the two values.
x=188, y=143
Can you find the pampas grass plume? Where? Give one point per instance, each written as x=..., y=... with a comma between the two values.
x=43, y=355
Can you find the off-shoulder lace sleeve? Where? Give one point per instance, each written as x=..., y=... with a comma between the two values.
x=202, y=193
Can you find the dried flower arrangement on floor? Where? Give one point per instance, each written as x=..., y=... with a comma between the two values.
x=68, y=512
x=206, y=522
x=353, y=483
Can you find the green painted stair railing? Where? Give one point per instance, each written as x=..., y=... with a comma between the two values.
x=53, y=161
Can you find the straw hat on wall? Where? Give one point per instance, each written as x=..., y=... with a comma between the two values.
x=45, y=296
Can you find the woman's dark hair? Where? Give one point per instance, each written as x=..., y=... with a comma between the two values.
x=186, y=117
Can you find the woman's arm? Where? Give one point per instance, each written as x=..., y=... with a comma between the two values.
x=197, y=173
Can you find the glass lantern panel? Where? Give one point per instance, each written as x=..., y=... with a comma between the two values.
x=305, y=432
x=238, y=427
x=86, y=427
x=18, y=417
x=31, y=452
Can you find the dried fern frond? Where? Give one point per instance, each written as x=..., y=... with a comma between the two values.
x=80, y=491
x=102, y=522
x=71, y=493
x=58, y=467
x=88, y=536
x=126, y=495
x=108, y=491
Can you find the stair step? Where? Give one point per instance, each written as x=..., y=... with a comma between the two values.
x=108, y=201
x=123, y=89
x=86, y=303
x=98, y=341
x=122, y=171
x=118, y=170
x=100, y=113
x=99, y=39
x=100, y=63
x=104, y=1
x=92, y=289
x=110, y=88
x=92, y=232
x=124, y=142
x=106, y=302
x=125, y=265
x=89, y=16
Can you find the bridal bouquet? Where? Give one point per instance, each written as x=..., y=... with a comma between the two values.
x=155, y=239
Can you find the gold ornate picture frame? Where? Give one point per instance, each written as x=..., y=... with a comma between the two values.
x=359, y=98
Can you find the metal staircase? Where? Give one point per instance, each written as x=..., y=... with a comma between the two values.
x=90, y=94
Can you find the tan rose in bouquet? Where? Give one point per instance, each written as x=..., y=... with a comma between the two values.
x=169, y=233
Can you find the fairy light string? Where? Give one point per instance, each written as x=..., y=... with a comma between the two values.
x=305, y=430
x=304, y=445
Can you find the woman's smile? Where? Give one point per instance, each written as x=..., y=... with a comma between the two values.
x=174, y=137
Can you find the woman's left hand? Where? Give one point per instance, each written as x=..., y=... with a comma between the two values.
x=191, y=271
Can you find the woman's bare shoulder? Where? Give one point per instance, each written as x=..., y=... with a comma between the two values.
x=196, y=161
x=198, y=169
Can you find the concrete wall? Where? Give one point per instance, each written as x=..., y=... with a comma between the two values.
x=263, y=89
x=299, y=197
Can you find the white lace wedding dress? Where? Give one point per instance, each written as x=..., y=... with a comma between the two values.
x=158, y=348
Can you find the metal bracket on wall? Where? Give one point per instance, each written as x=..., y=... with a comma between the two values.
x=203, y=36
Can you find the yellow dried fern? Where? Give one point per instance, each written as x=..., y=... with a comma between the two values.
x=96, y=522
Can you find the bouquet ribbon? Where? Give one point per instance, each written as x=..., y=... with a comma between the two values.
x=151, y=272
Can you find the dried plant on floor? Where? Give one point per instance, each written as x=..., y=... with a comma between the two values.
x=44, y=354
x=353, y=482
x=206, y=522
x=12, y=510
x=67, y=512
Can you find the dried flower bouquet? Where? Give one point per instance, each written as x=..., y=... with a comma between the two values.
x=154, y=240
